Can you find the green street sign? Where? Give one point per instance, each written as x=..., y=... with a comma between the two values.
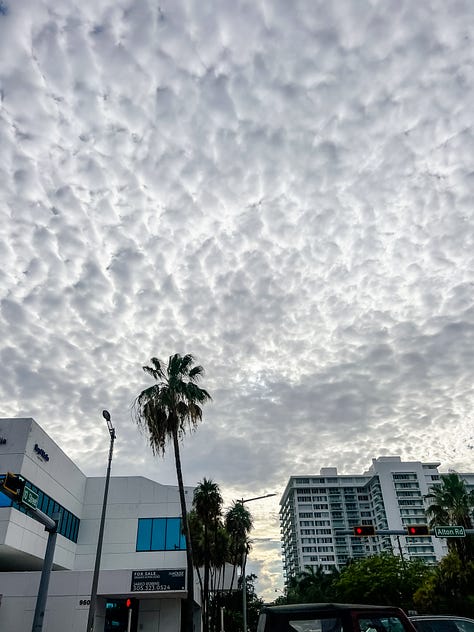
x=29, y=498
x=450, y=532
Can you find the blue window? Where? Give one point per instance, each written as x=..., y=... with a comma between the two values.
x=4, y=500
x=175, y=540
x=144, y=534
x=160, y=534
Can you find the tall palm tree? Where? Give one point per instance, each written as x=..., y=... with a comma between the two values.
x=165, y=411
x=239, y=523
x=452, y=504
x=207, y=507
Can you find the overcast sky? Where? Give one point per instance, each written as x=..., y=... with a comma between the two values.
x=284, y=189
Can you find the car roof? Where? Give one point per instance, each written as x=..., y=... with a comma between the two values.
x=322, y=607
x=438, y=617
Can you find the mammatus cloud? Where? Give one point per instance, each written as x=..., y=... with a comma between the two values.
x=285, y=191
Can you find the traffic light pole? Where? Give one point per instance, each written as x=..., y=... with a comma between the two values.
x=45, y=575
x=13, y=487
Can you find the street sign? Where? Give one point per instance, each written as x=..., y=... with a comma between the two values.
x=450, y=532
x=29, y=498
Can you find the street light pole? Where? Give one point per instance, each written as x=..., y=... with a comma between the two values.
x=244, y=579
x=95, y=578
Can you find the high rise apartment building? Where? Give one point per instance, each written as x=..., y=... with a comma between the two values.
x=390, y=495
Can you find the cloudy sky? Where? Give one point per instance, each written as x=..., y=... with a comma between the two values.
x=283, y=189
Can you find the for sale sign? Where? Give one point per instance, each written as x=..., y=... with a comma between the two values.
x=158, y=580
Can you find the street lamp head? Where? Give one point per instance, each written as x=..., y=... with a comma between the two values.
x=106, y=416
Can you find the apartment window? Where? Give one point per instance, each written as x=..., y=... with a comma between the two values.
x=160, y=534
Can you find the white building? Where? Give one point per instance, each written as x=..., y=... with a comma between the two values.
x=142, y=534
x=390, y=495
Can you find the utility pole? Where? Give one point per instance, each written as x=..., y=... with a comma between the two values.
x=95, y=579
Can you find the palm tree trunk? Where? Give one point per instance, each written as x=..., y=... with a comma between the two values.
x=189, y=610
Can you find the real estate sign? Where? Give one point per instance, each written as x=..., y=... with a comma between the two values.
x=158, y=580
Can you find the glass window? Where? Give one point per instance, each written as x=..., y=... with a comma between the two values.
x=144, y=534
x=158, y=534
x=316, y=625
x=4, y=500
x=175, y=539
x=381, y=624
x=75, y=529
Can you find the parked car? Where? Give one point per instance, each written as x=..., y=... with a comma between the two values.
x=333, y=617
x=442, y=623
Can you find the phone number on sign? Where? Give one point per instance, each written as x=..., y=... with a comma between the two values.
x=150, y=586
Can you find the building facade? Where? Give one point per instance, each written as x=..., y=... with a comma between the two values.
x=143, y=555
x=314, y=510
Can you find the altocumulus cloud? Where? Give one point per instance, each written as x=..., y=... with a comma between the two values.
x=283, y=189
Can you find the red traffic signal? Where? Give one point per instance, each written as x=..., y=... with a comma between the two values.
x=417, y=529
x=364, y=530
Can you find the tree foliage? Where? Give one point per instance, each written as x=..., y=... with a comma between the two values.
x=210, y=542
x=313, y=585
x=449, y=588
x=231, y=601
x=218, y=540
x=383, y=579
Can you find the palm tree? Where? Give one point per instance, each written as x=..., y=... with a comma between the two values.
x=165, y=411
x=452, y=504
x=238, y=522
x=207, y=510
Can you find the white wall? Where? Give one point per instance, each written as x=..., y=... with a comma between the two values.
x=129, y=499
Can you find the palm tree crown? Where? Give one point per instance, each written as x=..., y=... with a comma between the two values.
x=452, y=504
x=173, y=404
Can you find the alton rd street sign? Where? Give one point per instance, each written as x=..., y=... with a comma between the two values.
x=450, y=532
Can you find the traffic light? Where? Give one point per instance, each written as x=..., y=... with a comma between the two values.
x=363, y=530
x=417, y=529
x=131, y=604
x=14, y=485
